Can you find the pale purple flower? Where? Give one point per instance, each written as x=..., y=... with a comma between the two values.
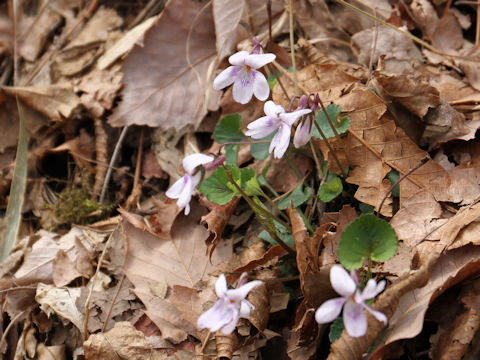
x=276, y=118
x=246, y=80
x=230, y=307
x=183, y=188
x=352, y=301
x=303, y=132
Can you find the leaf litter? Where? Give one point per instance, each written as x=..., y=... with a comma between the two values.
x=137, y=283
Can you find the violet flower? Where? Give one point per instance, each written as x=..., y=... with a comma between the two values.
x=183, y=188
x=352, y=301
x=230, y=307
x=303, y=132
x=246, y=80
x=276, y=118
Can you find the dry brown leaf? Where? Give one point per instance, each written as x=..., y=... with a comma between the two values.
x=161, y=223
x=64, y=270
x=151, y=168
x=122, y=341
x=57, y=102
x=425, y=16
x=167, y=90
x=80, y=147
x=227, y=16
x=469, y=64
x=55, y=352
x=447, y=36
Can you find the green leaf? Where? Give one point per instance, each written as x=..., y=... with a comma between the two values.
x=282, y=232
x=272, y=79
x=17, y=190
x=298, y=196
x=331, y=188
x=333, y=111
x=216, y=188
x=366, y=237
x=231, y=154
x=336, y=329
x=249, y=182
x=366, y=208
x=393, y=177
x=229, y=129
x=260, y=150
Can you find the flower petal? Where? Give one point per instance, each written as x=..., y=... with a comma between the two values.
x=261, y=90
x=226, y=77
x=372, y=289
x=273, y=110
x=245, y=308
x=242, y=292
x=187, y=192
x=262, y=127
x=291, y=117
x=303, y=133
x=354, y=319
x=190, y=162
x=378, y=315
x=216, y=317
x=329, y=310
x=176, y=189
x=243, y=88
x=258, y=60
x=341, y=281
x=232, y=324
x=281, y=140
x=238, y=58
x=221, y=286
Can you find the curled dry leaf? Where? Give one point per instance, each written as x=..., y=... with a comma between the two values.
x=306, y=334
x=122, y=341
x=167, y=91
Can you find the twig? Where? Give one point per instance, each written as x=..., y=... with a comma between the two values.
x=136, y=189
x=324, y=138
x=113, y=160
x=278, y=80
x=119, y=287
x=292, y=47
x=12, y=322
x=102, y=157
x=269, y=14
x=421, y=163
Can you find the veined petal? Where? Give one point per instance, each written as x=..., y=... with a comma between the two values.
x=354, y=319
x=262, y=127
x=329, y=310
x=242, y=292
x=372, y=289
x=291, y=117
x=232, y=324
x=281, y=140
x=261, y=90
x=243, y=88
x=226, y=77
x=190, y=162
x=221, y=286
x=245, y=308
x=273, y=110
x=258, y=60
x=215, y=317
x=303, y=133
x=378, y=315
x=176, y=189
x=238, y=58
x=341, y=281
x=187, y=192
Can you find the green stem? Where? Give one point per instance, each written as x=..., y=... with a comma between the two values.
x=269, y=199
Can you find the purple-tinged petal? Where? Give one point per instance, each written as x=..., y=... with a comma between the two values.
x=291, y=117
x=273, y=110
x=354, y=319
x=221, y=286
x=244, y=277
x=238, y=58
x=190, y=162
x=261, y=90
x=187, y=209
x=329, y=310
x=186, y=194
x=245, y=308
x=232, y=324
x=303, y=133
x=372, y=289
x=341, y=281
x=215, y=317
x=262, y=127
x=243, y=88
x=378, y=315
x=226, y=77
x=258, y=60
x=242, y=292
x=176, y=189
x=281, y=140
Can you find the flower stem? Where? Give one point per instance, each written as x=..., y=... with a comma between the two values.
x=292, y=48
x=324, y=138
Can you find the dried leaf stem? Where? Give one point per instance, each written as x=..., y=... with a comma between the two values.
x=292, y=47
x=119, y=287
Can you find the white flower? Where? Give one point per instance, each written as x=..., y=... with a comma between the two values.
x=352, y=301
x=183, y=188
x=303, y=132
x=230, y=307
x=276, y=118
x=245, y=78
